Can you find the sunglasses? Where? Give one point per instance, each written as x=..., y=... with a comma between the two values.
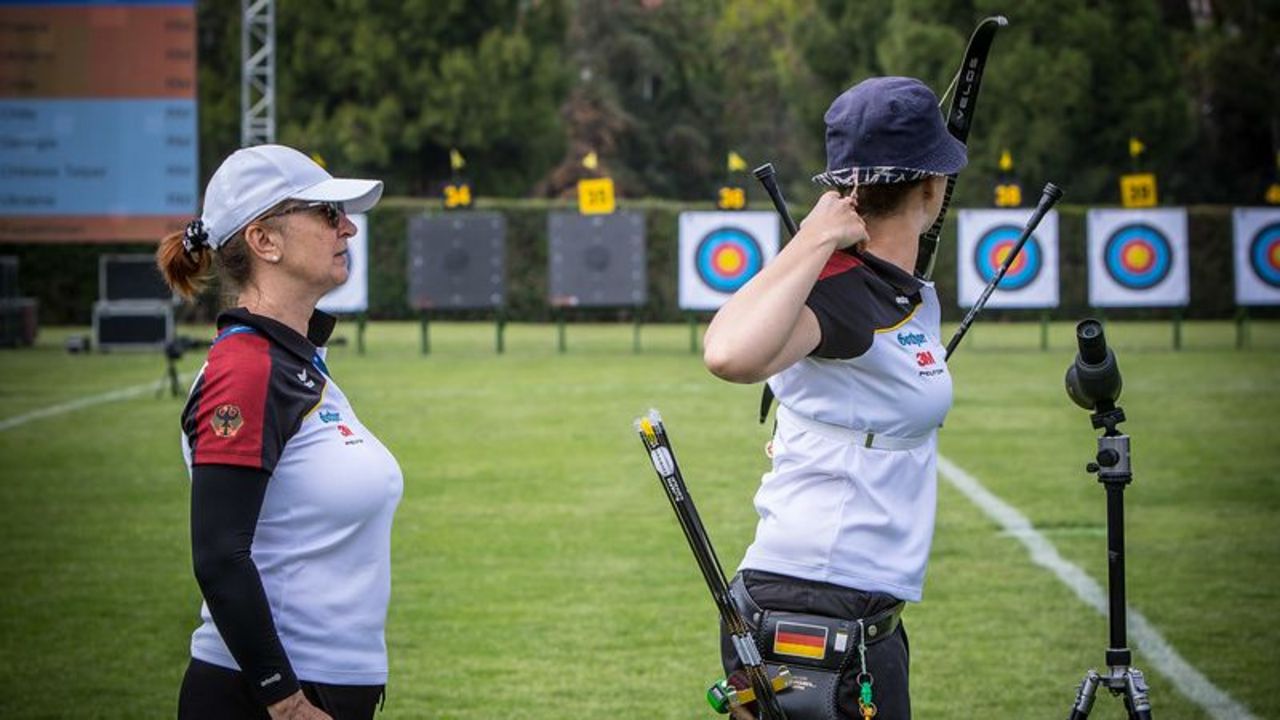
x=332, y=211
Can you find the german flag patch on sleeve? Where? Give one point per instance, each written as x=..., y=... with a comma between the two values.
x=801, y=640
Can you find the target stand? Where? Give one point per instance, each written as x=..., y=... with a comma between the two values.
x=596, y=261
x=986, y=237
x=1256, y=238
x=1138, y=258
x=719, y=253
x=457, y=262
x=351, y=298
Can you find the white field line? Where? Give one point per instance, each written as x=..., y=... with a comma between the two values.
x=1145, y=637
x=81, y=403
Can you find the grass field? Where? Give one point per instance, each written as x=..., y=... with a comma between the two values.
x=538, y=572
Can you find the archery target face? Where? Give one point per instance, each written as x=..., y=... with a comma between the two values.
x=986, y=237
x=1138, y=258
x=352, y=296
x=596, y=260
x=720, y=252
x=457, y=261
x=1257, y=255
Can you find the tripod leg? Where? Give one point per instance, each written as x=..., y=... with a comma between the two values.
x=1135, y=695
x=1081, y=708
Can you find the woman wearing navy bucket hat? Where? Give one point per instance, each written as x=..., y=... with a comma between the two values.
x=849, y=342
x=291, y=496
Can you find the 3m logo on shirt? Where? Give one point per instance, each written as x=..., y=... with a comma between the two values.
x=348, y=435
x=226, y=421
x=927, y=365
x=801, y=640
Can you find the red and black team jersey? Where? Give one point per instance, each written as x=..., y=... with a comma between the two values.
x=832, y=509
x=880, y=366
x=856, y=295
x=321, y=541
x=259, y=382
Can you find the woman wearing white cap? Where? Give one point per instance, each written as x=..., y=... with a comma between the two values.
x=849, y=342
x=291, y=497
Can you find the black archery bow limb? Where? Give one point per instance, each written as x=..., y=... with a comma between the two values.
x=967, y=82
x=654, y=436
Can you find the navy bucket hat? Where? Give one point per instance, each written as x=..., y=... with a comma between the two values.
x=888, y=130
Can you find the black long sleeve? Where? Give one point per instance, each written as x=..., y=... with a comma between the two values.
x=225, y=502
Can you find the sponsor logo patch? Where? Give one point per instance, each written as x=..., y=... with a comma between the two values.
x=909, y=339
x=226, y=421
x=800, y=639
x=349, y=435
x=329, y=416
x=925, y=358
x=304, y=379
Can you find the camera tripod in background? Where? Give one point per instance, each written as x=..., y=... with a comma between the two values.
x=1094, y=383
x=173, y=351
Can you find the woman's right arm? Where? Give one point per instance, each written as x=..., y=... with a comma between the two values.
x=225, y=502
x=766, y=327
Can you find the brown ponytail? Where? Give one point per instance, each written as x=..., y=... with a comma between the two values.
x=186, y=272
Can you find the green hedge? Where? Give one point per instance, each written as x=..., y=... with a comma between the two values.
x=64, y=277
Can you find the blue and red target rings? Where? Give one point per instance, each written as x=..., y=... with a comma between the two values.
x=1264, y=254
x=1138, y=256
x=727, y=257
x=995, y=245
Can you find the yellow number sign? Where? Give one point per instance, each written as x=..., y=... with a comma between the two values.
x=1273, y=194
x=731, y=198
x=457, y=196
x=1138, y=190
x=595, y=197
x=1009, y=195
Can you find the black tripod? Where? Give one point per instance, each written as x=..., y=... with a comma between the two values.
x=172, y=354
x=1094, y=383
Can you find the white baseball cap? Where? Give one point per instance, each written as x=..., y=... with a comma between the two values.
x=255, y=179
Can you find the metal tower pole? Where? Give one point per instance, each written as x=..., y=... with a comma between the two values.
x=258, y=72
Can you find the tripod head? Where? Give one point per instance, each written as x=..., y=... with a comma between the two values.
x=1093, y=379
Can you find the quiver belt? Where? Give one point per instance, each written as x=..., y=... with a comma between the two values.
x=817, y=649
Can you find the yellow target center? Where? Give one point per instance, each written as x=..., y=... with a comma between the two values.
x=1275, y=255
x=1002, y=254
x=1137, y=256
x=729, y=260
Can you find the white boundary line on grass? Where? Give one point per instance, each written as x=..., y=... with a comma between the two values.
x=1146, y=638
x=84, y=402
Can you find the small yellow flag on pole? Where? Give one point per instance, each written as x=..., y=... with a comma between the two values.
x=736, y=163
x=456, y=161
x=1136, y=147
x=590, y=161
x=1006, y=160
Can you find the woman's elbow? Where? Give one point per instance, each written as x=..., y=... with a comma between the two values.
x=730, y=366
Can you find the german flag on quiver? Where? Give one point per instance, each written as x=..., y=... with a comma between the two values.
x=799, y=639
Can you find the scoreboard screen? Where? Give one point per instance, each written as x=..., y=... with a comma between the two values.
x=97, y=120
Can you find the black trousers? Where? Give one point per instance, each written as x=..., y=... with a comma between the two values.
x=211, y=692
x=887, y=660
